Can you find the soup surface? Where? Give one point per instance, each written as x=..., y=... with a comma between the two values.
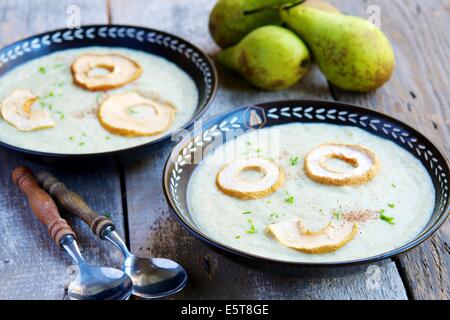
x=402, y=192
x=74, y=110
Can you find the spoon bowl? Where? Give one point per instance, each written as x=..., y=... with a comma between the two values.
x=96, y=283
x=155, y=277
x=152, y=277
x=100, y=284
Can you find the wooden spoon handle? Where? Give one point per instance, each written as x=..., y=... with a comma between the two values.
x=72, y=203
x=42, y=204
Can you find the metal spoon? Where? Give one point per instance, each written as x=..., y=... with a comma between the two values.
x=90, y=283
x=152, y=277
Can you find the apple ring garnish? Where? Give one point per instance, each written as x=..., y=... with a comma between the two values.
x=229, y=181
x=120, y=70
x=365, y=164
x=294, y=235
x=114, y=115
x=16, y=109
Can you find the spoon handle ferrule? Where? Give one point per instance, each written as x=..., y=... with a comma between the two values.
x=111, y=235
x=74, y=204
x=70, y=245
x=42, y=204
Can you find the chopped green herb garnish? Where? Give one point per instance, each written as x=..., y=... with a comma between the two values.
x=258, y=150
x=71, y=138
x=246, y=212
x=382, y=211
x=294, y=161
x=274, y=215
x=289, y=199
x=391, y=205
x=51, y=94
x=237, y=237
x=107, y=137
x=42, y=70
x=252, y=229
x=107, y=214
x=59, y=65
x=336, y=215
x=81, y=144
x=388, y=219
x=61, y=114
x=393, y=184
x=83, y=134
x=268, y=202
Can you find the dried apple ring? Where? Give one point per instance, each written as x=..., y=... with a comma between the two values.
x=16, y=110
x=332, y=237
x=114, y=115
x=120, y=70
x=365, y=164
x=229, y=181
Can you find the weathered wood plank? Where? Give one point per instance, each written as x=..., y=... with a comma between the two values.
x=155, y=232
x=31, y=266
x=419, y=94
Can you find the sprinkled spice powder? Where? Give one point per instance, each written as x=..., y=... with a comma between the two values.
x=360, y=215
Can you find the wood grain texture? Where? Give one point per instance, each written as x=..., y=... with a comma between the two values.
x=31, y=265
x=42, y=204
x=418, y=94
x=72, y=203
x=155, y=232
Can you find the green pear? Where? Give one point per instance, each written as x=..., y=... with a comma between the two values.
x=321, y=5
x=269, y=57
x=352, y=52
x=229, y=21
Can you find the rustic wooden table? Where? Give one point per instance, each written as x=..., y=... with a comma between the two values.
x=31, y=267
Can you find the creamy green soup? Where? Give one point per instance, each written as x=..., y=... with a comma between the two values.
x=74, y=110
x=400, y=198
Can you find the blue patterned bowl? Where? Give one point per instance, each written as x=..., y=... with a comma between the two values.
x=184, y=54
x=178, y=169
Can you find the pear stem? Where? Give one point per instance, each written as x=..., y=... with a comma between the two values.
x=273, y=7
